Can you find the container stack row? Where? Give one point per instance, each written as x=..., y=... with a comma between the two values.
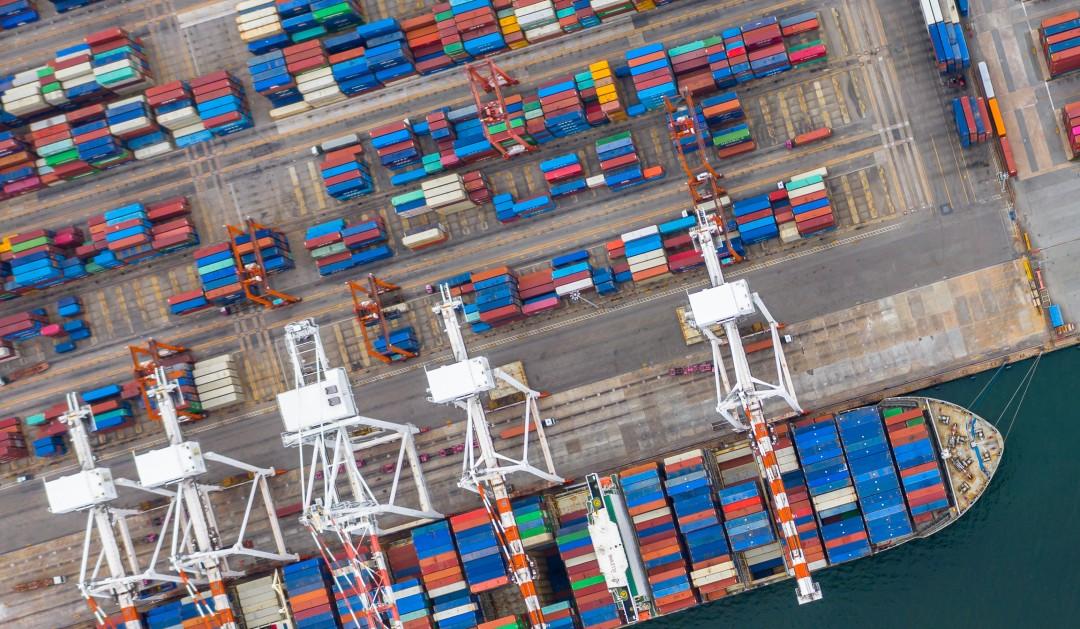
x=479, y=549
x=1070, y=117
x=658, y=538
x=591, y=596
x=507, y=210
x=396, y=145
x=266, y=23
x=497, y=300
x=311, y=600
x=831, y=490
x=810, y=204
x=606, y=90
x=872, y=468
x=443, y=577
x=746, y=518
x=802, y=510
x=572, y=273
x=679, y=246
x=1059, y=37
x=337, y=246
x=619, y=161
x=12, y=441
x=537, y=291
x=563, y=174
x=419, y=238
x=403, y=338
x=345, y=174
x=563, y=109
x=185, y=612
x=942, y=19
x=644, y=251
x=973, y=124
x=799, y=24
x=920, y=474
x=110, y=410
x=23, y=326
x=453, y=193
x=217, y=381
x=105, y=64
x=259, y=604
x=726, y=121
x=755, y=219
x=534, y=528
x=765, y=47
x=16, y=13
x=652, y=75
x=690, y=486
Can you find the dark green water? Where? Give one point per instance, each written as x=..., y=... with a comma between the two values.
x=1011, y=561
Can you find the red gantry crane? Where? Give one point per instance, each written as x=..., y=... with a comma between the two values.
x=484, y=469
x=253, y=275
x=725, y=303
x=369, y=310
x=485, y=76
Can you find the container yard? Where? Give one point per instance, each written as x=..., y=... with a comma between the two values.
x=400, y=283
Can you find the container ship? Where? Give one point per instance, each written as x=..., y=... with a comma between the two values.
x=663, y=536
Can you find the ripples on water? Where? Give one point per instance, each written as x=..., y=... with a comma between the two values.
x=1012, y=561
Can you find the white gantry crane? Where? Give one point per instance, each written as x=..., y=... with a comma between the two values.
x=320, y=417
x=723, y=304
x=484, y=470
x=199, y=550
x=91, y=489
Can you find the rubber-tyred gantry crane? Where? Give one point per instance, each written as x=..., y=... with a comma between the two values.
x=320, y=417
x=484, y=469
x=484, y=76
x=368, y=307
x=145, y=362
x=91, y=489
x=253, y=275
x=199, y=551
x=724, y=303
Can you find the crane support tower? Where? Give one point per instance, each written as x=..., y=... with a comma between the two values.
x=485, y=76
x=91, y=489
x=145, y=362
x=702, y=180
x=199, y=549
x=723, y=304
x=369, y=310
x=484, y=470
x=321, y=418
x=253, y=275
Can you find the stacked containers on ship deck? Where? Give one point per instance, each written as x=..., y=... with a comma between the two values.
x=871, y=464
x=534, y=528
x=591, y=596
x=765, y=47
x=810, y=204
x=308, y=585
x=644, y=250
x=746, y=518
x=479, y=549
x=1059, y=38
x=798, y=497
x=652, y=75
x=755, y=219
x=916, y=457
x=410, y=596
x=658, y=539
x=185, y=613
x=834, y=498
x=443, y=578
x=690, y=486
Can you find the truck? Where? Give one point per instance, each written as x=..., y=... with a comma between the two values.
x=37, y=584
x=810, y=136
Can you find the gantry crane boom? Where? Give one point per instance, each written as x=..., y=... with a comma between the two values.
x=724, y=304
x=485, y=76
x=462, y=384
x=198, y=551
x=368, y=308
x=320, y=415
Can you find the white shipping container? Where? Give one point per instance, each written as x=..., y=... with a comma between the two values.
x=448, y=198
x=222, y=402
x=29, y=76
x=189, y=130
x=441, y=181
x=221, y=372
x=640, y=233
x=260, y=33
x=652, y=254
x=251, y=5
x=316, y=84
x=425, y=237
x=15, y=93
x=544, y=32
x=289, y=110
x=128, y=126
x=678, y=458
x=48, y=122
x=596, y=181
x=76, y=70
x=443, y=189
x=215, y=363
x=325, y=97
x=117, y=65
x=252, y=16
x=153, y=150
x=27, y=105
x=645, y=266
x=823, y=171
x=454, y=611
x=805, y=190
x=127, y=101
x=178, y=119
x=577, y=561
x=580, y=285
x=649, y=515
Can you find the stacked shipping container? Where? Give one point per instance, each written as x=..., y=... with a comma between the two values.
x=12, y=441
x=217, y=381
x=830, y=488
x=310, y=598
x=917, y=460
x=1070, y=117
x=1059, y=37
x=657, y=537
x=755, y=219
x=973, y=125
x=872, y=468
x=479, y=549
x=443, y=578
x=810, y=204
x=942, y=19
x=652, y=75
x=337, y=246
x=690, y=485
x=345, y=174
x=591, y=596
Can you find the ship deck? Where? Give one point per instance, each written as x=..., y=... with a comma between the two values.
x=971, y=449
